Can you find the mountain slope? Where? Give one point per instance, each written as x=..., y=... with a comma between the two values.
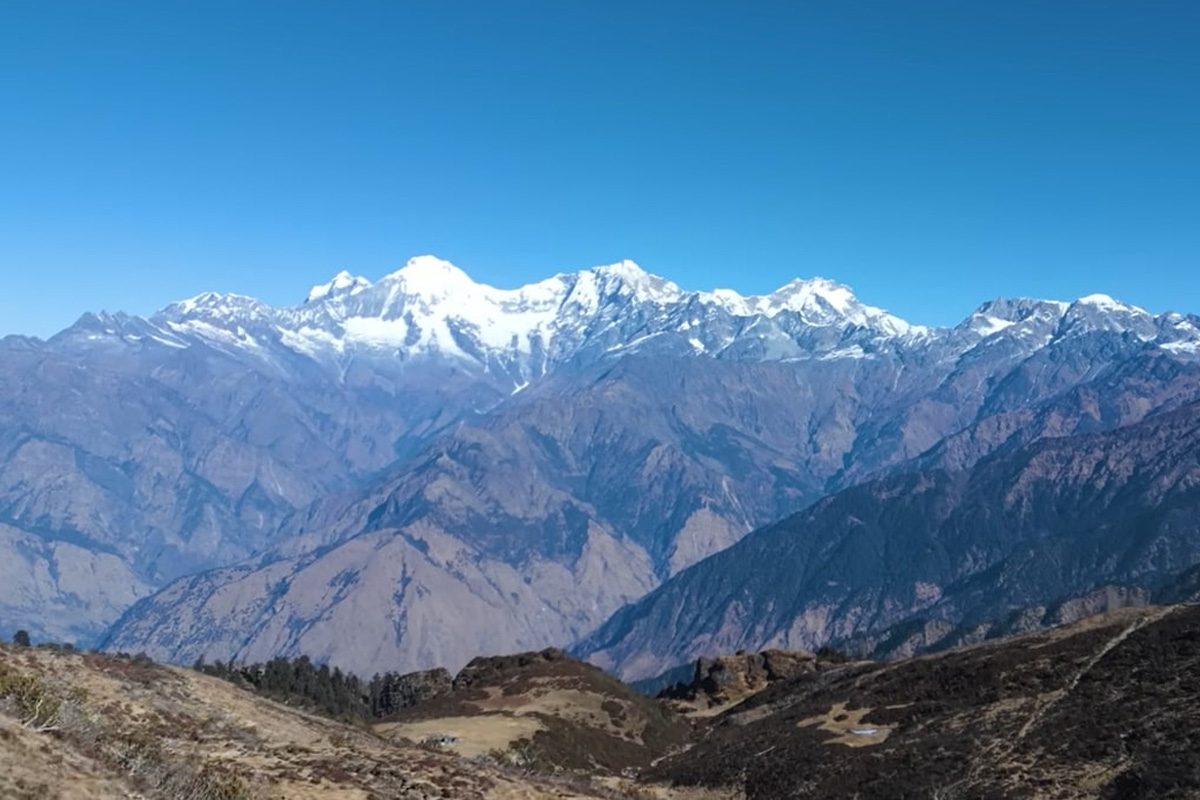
x=166, y=460
x=544, y=519
x=1046, y=521
x=181, y=441
x=80, y=727
x=1099, y=709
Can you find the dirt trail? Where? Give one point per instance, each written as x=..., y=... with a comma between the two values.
x=1050, y=700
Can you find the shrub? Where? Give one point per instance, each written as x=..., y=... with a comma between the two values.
x=175, y=778
x=31, y=701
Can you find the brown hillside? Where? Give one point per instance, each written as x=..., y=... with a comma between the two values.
x=547, y=712
x=85, y=727
x=1105, y=707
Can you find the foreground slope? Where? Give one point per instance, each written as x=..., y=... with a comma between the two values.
x=1104, y=707
x=1051, y=520
x=114, y=728
x=1101, y=708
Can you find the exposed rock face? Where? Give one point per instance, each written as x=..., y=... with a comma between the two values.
x=722, y=681
x=1020, y=530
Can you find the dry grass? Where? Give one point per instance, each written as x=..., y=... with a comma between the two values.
x=622, y=788
x=848, y=727
x=78, y=727
x=476, y=736
x=36, y=766
x=133, y=730
x=548, y=714
x=1102, y=708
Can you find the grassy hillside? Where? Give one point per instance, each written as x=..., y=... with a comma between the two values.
x=1101, y=708
x=94, y=726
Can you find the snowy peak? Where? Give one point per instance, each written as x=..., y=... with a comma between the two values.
x=1099, y=312
x=817, y=301
x=820, y=301
x=432, y=308
x=626, y=271
x=1018, y=316
x=1106, y=303
x=1019, y=309
x=432, y=277
x=214, y=304
x=628, y=278
x=816, y=293
x=341, y=284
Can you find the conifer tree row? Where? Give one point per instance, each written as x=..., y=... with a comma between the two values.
x=299, y=682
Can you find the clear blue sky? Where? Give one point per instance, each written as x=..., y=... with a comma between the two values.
x=930, y=154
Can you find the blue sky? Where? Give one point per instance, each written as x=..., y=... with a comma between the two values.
x=929, y=154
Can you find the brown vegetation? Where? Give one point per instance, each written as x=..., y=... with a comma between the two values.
x=76, y=726
x=1102, y=708
x=547, y=713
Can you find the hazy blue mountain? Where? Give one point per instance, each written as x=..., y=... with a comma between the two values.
x=610, y=430
x=1061, y=517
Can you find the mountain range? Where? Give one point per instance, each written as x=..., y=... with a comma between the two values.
x=407, y=473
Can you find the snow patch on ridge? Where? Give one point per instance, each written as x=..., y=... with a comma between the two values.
x=342, y=283
x=1103, y=301
x=985, y=325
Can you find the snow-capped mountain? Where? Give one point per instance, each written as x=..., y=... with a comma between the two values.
x=576, y=440
x=340, y=285
x=431, y=309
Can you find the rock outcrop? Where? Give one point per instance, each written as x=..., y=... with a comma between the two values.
x=725, y=680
